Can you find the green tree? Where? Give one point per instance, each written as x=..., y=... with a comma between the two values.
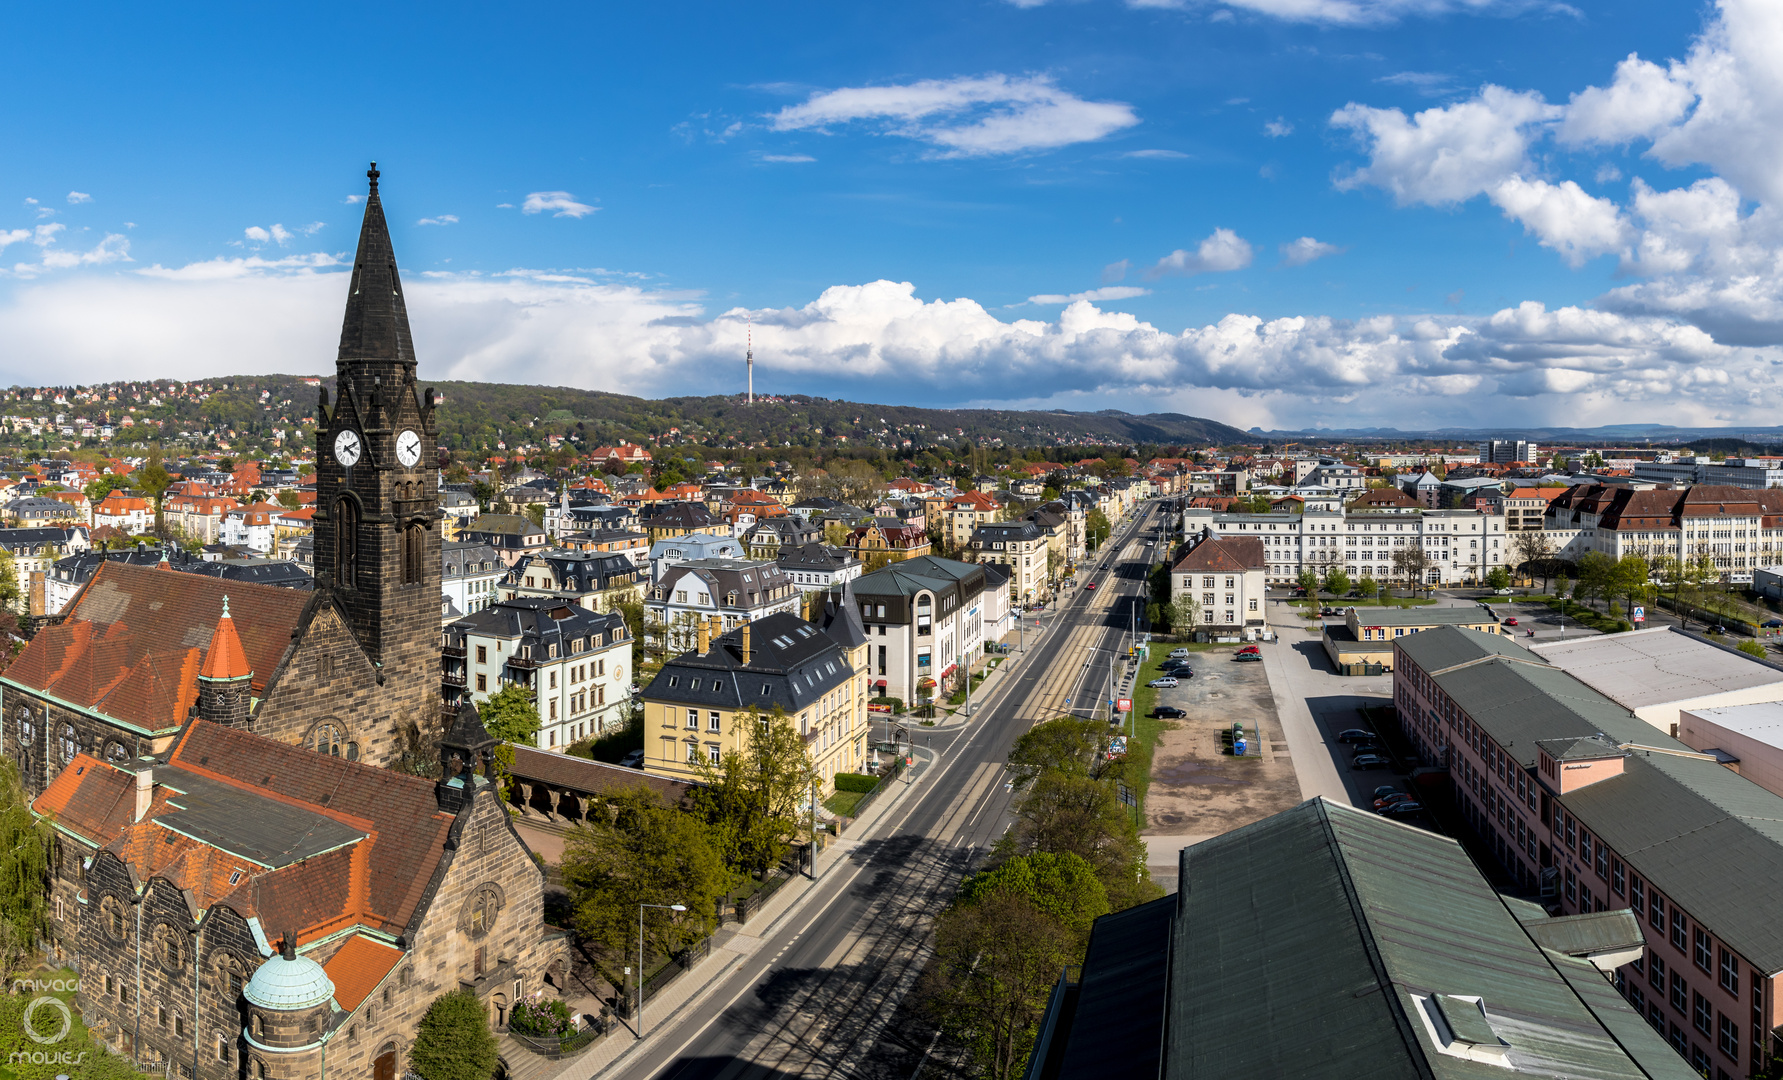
x=24, y=870
x=754, y=795
x=289, y=500
x=1597, y=577
x=638, y=850
x=510, y=715
x=1068, y=744
x=1077, y=813
x=1308, y=580
x=100, y=488
x=1184, y=612
x=1337, y=581
x=1096, y=529
x=995, y=965
x=1498, y=578
x=153, y=480
x=1368, y=587
x=1534, y=552
x=835, y=534
x=535, y=513
x=1752, y=648
x=1633, y=578
x=453, y=1041
x=1062, y=886
x=11, y=594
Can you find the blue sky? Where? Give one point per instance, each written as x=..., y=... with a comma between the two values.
x=1277, y=212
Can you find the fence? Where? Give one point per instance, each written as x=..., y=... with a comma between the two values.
x=678, y=965
x=569, y=1046
x=885, y=782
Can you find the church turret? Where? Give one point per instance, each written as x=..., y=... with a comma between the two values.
x=465, y=747
x=377, y=533
x=225, y=682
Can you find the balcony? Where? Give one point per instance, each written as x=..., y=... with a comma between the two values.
x=453, y=678
x=525, y=662
x=452, y=650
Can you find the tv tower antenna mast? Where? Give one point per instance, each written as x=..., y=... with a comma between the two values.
x=749, y=357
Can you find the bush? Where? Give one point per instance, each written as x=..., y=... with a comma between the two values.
x=856, y=782
x=546, y=1018
x=1751, y=648
x=454, y=1042
x=897, y=704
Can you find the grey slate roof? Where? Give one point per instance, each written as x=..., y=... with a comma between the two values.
x=540, y=622
x=248, y=823
x=461, y=557
x=791, y=664
x=815, y=557
x=577, y=571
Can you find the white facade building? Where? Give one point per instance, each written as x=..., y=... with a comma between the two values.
x=1460, y=546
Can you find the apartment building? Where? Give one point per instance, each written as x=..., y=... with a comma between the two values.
x=1225, y=577
x=573, y=660
x=469, y=574
x=1589, y=806
x=734, y=591
x=924, y=617
x=813, y=672
x=588, y=579
x=1737, y=529
x=1021, y=546
x=1507, y=451
x=1458, y=546
x=966, y=512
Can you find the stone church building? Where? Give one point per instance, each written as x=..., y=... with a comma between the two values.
x=246, y=888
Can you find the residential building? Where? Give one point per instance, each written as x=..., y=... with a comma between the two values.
x=1381, y=500
x=625, y=453
x=196, y=516
x=693, y=547
x=1458, y=546
x=964, y=513
x=573, y=661
x=1525, y=509
x=1577, y=798
x=1412, y=963
x=1660, y=673
x=1335, y=475
x=1737, y=529
x=511, y=535
x=1509, y=451
x=68, y=575
x=1019, y=545
x=120, y=510
x=469, y=573
x=669, y=520
x=819, y=567
x=588, y=579
x=1224, y=577
x=768, y=538
x=1363, y=643
x=633, y=545
x=886, y=540
x=732, y=590
x=253, y=527
x=33, y=510
x=813, y=672
x=460, y=508
x=925, y=617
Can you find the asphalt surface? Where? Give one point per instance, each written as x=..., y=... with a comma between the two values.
x=813, y=1000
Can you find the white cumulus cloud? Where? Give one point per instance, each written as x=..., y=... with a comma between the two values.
x=1446, y=154
x=558, y=203
x=788, y=159
x=1107, y=292
x=965, y=117
x=1564, y=218
x=1222, y=250
x=79, y=197
x=443, y=219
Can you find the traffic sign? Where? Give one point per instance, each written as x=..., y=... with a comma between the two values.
x=1125, y=705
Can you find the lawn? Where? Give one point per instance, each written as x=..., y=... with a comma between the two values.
x=1352, y=601
x=842, y=803
x=1145, y=730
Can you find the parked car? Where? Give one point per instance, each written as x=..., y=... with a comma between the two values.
x=1385, y=790
x=1771, y=624
x=1249, y=649
x=1168, y=712
x=1355, y=734
x=1512, y=621
x=1249, y=656
x=1392, y=800
x=1501, y=592
x=1179, y=654
x=1178, y=672
x=1409, y=808
x=1164, y=683
x=1369, y=761
x=633, y=760
x=1368, y=747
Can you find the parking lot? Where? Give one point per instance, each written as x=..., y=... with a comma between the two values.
x=1198, y=789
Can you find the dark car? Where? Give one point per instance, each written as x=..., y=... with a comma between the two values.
x=1385, y=790
x=1369, y=747
x=1248, y=657
x=1410, y=808
x=1392, y=800
x=1771, y=624
x=1168, y=712
x=1355, y=734
x=1369, y=761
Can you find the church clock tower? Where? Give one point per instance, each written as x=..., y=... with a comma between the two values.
x=377, y=523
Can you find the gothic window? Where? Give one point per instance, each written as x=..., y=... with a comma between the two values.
x=331, y=739
x=346, y=542
x=27, y=729
x=116, y=754
x=111, y=914
x=414, y=552
x=69, y=742
x=231, y=975
x=167, y=946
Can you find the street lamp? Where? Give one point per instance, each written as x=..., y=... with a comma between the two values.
x=641, y=907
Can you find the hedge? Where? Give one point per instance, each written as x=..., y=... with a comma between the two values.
x=848, y=781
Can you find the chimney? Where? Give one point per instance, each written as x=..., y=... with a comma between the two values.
x=705, y=637
x=745, y=644
x=39, y=604
x=145, y=792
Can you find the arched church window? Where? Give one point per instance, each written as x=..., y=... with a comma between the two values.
x=331, y=739
x=116, y=754
x=69, y=742
x=414, y=552
x=346, y=542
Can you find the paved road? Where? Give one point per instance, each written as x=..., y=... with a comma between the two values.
x=814, y=998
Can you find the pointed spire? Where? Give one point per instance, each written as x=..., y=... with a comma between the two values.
x=225, y=659
x=376, y=326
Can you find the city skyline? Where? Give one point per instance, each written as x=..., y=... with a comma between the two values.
x=1324, y=212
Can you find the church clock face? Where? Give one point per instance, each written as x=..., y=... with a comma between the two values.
x=408, y=449
x=346, y=447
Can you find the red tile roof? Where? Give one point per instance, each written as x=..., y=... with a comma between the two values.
x=224, y=659
x=1225, y=554
x=357, y=967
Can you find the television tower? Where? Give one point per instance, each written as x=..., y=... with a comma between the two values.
x=749, y=357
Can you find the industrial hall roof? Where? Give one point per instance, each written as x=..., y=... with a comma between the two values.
x=1325, y=942
x=134, y=639
x=1650, y=667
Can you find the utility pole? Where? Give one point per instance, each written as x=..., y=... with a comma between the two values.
x=813, y=829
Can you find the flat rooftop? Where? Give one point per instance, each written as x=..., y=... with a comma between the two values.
x=1427, y=615
x=1761, y=723
x=1658, y=666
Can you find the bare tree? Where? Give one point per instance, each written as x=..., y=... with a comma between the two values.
x=1533, y=548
